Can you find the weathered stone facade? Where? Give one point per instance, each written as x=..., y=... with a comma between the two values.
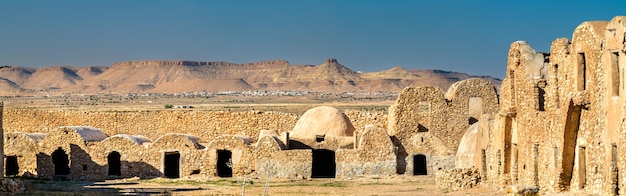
x=561, y=120
x=424, y=122
x=324, y=143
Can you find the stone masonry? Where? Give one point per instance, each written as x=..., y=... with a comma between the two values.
x=557, y=125
x=209, y=144
x=561, y=119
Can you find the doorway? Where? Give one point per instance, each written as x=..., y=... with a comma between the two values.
x=419, y=165
x=171, y=164
x=224, y=163
x=61, y=162
x=11, y=167
x=115, y=164
x=323, y=165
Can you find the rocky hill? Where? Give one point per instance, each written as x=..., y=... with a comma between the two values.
x=187, y=76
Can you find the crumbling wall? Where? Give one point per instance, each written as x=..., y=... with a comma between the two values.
x=468, y=101
x=134, y=156
x=424, y=122
x=561, y=114
x=24, y=147
x=374, y=155
x=79, y=151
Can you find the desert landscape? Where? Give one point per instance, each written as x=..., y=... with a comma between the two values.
x=290, y=101
x=223, y=98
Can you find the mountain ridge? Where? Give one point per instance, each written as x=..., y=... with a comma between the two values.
x=171, y=76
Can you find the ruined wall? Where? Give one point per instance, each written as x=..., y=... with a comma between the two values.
x=468, y=101
x=76, y=151
x=374, y=155
x=134, y=156
x=561, y=114
x=25, y=149
x=425, y=122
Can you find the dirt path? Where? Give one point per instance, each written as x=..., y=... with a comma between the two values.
x=393, y=185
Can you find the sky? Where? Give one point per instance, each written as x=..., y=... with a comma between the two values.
x=364, y=35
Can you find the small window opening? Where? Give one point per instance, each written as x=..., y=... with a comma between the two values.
x=195, y=171
x=541, y=97
x=421, y=128
x=615, y=79
x=582, y=71
x=319, y=138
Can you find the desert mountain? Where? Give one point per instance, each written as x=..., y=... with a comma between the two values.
x=187, y=76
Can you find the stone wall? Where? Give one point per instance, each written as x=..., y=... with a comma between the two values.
x=561, y=115
x=24, y=148
x=425, y=122
x=456, y=179
x=73, y=150
x=146, y=143
x=374, y=155
x=134, y=153
x=153, y=124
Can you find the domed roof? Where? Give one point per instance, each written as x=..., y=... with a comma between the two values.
x=322, y=120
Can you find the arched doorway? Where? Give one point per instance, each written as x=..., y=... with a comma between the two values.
x=419, y=165
x=61, y=162
x=11, y=167
x=323, y=165
x=224, y=163
x=115, y=164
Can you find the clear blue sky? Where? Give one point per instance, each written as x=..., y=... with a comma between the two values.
x=465, y=36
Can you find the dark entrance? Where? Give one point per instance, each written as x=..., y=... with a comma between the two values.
x=323, y=164
x=171, y=165
x=61, y=162
x=224, y=163
x=11, y=166
x=570, y=135
x=419, y=165
x=115, y=164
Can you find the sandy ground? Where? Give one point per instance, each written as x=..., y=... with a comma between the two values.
x=392, y=185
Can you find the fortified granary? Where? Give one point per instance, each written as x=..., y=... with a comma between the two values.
x=561, y=121
x=557, y=125
x=413, y=139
